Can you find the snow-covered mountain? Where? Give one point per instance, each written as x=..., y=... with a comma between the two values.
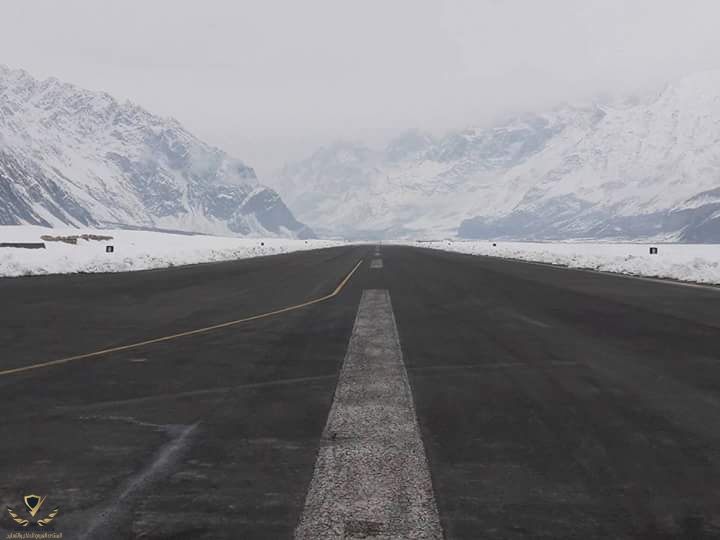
x=646, y=169
x=69, y=156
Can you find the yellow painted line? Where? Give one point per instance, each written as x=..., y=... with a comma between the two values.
x=228, y=324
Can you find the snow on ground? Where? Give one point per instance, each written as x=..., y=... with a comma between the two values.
x=134, y=250
x=144, y=250
x=685, y=262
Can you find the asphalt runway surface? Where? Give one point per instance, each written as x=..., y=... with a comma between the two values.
x=532, y=402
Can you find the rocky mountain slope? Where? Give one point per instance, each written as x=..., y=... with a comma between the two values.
x=69, y=156
x=646, y=169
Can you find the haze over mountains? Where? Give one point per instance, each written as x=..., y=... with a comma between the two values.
x=69, y=156
x=650, y=168
x=646, y=169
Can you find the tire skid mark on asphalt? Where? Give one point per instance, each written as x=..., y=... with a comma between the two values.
x=115, y=515
x=531, y=321
x=189, y=333
x=192, y=393
x=371, y=478
x=172, y=429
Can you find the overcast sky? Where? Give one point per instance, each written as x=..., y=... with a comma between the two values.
x=269, y=80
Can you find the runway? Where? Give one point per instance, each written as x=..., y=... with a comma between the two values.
x=200, y=402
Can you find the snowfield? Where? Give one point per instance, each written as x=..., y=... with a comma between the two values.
x=134, y=250
x=698, y=263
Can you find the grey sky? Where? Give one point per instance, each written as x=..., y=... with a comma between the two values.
x=269, y=80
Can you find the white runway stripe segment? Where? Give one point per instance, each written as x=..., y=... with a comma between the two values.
x=376, y=263
x=371, y=477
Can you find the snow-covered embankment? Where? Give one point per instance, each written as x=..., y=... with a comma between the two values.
x=133, y=250
x=685, y=262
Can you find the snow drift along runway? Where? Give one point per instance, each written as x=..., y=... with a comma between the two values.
x=698, y=263
x=134, y=250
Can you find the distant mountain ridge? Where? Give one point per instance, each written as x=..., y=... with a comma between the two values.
x=621, y=171
x=70, y=156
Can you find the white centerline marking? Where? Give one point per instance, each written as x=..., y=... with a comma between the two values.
x=371, y=475
x=376, y=264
